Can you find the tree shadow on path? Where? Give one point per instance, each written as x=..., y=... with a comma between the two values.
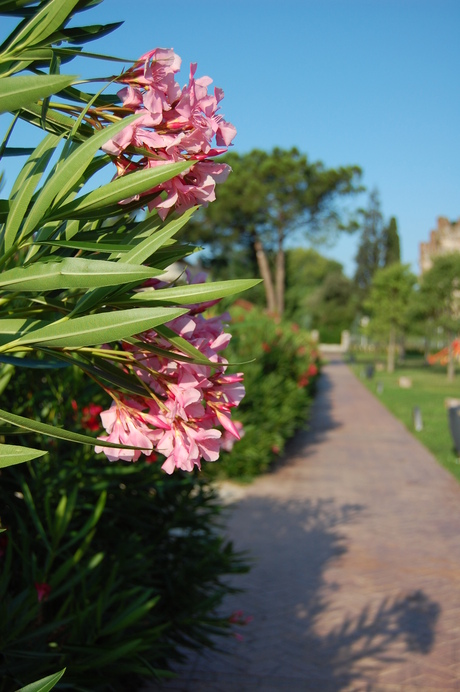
x=301, y=636
x=314, y=632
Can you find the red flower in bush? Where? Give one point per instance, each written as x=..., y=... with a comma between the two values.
x=151, y=458
x=43, y=590
x=303, y=380
x=312, y=370
x=90, y=417
x=265, y=347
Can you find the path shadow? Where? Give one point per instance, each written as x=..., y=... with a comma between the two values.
x=297, y=635
x=321, y=421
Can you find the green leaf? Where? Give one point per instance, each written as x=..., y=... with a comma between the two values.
x=45, y=684
x=16, y=92
x=6, y=138
x=17, y=151
x=56, y=122
x=47, y=18
x=69, y=172
x=183, y=345
x=145, y=249
x=138, y=609
x=118, y=190
x=14, y=326
x=13, y=454
x=52, y=431
x=108, y=248
x=35, y=364
x=195, y=293
x=25, y=184
x=83, y=34
x=73, y=272
x=85, y=54
x=99, y=328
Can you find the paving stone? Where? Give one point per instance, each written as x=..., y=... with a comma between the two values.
x=356, y=544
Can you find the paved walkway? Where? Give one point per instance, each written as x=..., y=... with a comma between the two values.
x=356, y=547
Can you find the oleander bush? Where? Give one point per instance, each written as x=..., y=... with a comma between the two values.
x=281, y=366
x=106, y=569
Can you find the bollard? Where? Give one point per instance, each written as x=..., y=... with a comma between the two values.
x=454, y=425
x=417, y=419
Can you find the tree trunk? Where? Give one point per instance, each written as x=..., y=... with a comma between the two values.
x=451, y=361
x=280, y=280
x=266, y=276
x=391, y=350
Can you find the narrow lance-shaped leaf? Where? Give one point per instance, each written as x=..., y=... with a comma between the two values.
x=83, y=34
x=56, y=122
x=99, y=328
x=73, y=272
x=195, y=293
x=119, y=189
x=138, y=254
x=87, y=246
x=13, y=454
x=16, y=92
x=45, y=684
x=69, y=172
x=52, y=431
x=145, y=249
x=12, y=326
x=25, y=185
x=46, y=20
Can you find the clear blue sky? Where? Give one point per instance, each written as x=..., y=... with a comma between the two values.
x=367, y=82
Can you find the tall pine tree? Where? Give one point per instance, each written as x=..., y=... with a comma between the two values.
x=391, y=245
x=370, y=251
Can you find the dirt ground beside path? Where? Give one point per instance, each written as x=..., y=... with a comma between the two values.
x=355, y=541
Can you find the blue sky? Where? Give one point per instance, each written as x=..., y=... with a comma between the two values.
x=367, y=82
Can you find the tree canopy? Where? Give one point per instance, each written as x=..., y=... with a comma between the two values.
x=388, y=303
x=379, y=244
x=440, y=296
x=268, y=198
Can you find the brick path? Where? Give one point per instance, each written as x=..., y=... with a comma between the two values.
x=356, y=548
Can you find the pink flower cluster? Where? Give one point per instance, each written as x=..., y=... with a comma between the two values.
x=174, y=125
x=188, y=415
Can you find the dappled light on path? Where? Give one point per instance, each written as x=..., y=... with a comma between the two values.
x=355, y=582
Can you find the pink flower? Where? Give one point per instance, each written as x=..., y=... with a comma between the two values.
x=187, y=418
x=228, y=440
x=174, y=125
x=195, y=187
x=125, y=426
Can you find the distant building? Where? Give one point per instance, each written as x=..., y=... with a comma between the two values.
x=445, y=239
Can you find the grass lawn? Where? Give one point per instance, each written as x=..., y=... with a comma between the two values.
x=429, y=389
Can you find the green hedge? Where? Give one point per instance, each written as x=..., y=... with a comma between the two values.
x=280, y=367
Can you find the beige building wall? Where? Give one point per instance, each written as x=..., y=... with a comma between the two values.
x=444, y=239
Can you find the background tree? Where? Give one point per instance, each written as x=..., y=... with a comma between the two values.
x=370, y=256
x=391, y=244
x=269, y=197
x=333, y=306
x=440, y=294
x=306, y=271
x=388, y=301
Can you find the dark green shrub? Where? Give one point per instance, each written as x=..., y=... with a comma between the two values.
x=280, y=371
x=107, y=569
